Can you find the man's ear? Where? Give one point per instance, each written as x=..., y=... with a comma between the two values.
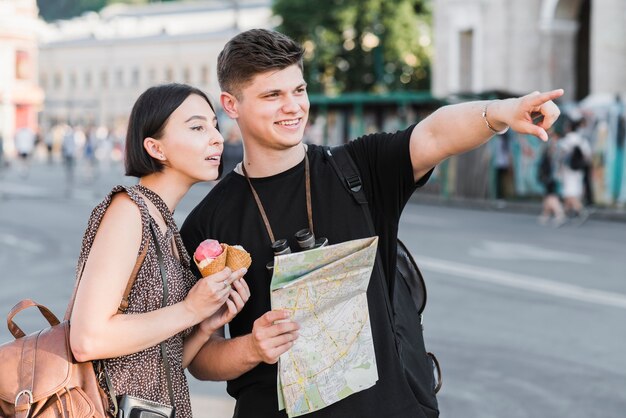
x=229, y=104
x=153, y=148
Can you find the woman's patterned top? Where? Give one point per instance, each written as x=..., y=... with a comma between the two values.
x=142, y=374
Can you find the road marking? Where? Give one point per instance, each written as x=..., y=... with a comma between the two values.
x=522, y=281
x=21, y=244
x=513, y=251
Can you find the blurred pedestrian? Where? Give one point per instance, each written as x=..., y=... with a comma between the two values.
x=502, y=162
x=1, y=152
x=48, y=139
x=89, y=154
x=24, y=145
x=575, y=155
x=68, y=153
x=551, y=208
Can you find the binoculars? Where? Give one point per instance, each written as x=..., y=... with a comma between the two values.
x=305, y=239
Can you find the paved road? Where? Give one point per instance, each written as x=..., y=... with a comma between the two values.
x=527, y=321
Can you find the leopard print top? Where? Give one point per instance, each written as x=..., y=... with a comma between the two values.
x=142, y=374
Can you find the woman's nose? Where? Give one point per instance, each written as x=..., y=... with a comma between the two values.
x=217, y=138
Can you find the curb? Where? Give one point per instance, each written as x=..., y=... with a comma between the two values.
x=514, y=206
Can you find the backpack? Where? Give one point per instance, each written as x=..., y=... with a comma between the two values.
x=576, y=158
x=39, y=376
x=407, y=293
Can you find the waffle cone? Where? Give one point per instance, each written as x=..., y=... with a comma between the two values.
x=238, y=258
x=212, y=267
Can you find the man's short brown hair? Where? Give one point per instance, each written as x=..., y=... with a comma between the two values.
x=253, y=52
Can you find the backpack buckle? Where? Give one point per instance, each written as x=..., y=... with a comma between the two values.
x=27, y=393
x=354, y=183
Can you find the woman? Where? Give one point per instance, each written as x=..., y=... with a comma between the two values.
x=172, y=142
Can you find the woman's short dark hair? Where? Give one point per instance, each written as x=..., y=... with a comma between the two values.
x=253, y=52
x=148, y=119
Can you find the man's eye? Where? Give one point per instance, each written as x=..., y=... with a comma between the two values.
x=301, y=90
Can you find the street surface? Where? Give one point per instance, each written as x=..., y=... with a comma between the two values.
x=527, y=321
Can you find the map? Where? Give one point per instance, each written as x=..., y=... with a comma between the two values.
x=325, y=289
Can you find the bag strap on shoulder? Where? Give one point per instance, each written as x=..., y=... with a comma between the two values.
x=348, y=173
x=163, y=345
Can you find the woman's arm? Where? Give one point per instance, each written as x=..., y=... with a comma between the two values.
x=98, y=331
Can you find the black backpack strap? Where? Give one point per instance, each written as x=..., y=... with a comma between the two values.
x=348, y=173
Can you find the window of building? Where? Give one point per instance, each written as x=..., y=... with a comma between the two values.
x=72, y=80
x=135, y=77
x=87, y=79
x=169, y=75
x=466, y=60
x=104, y=79
x=43, y=81
x=152, y=76
x=204, y=75
x=58, y=81
x=187, y=75
x=119, y=77
x=22, y=65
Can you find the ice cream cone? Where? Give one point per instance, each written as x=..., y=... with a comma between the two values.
x=237, y=258
x=208, y=267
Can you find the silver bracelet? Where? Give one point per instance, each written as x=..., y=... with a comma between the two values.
x=491, y=128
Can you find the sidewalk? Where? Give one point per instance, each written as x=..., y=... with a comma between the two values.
x=515, y=206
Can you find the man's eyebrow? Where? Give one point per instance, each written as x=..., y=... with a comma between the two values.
x=273, y=91
x=196, y=117
x=263, y=93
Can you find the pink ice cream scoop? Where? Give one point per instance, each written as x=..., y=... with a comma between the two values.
x=208, y=250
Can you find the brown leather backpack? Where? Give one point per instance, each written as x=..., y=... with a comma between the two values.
x=39, y=376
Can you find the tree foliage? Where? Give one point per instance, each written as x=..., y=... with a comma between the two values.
x=361, y=45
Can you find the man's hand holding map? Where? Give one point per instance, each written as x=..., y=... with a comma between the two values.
x=325, y=289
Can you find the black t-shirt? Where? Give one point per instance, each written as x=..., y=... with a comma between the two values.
x=229, y=214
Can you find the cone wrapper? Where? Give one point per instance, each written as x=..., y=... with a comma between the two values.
x=237, y=258
x=208, y=267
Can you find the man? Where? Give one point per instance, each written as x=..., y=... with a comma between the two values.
x=264, y=200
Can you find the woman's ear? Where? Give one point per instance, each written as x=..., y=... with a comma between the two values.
x=154, y=149
x=229, y=104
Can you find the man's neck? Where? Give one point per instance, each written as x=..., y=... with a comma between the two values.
x=268, y=162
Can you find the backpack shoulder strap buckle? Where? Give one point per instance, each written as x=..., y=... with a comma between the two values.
x=354, y=183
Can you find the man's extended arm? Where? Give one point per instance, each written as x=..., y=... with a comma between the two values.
x=458, y=128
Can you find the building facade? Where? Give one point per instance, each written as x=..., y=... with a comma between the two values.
x=94, y=67
x=522, y=46
x=20, y=96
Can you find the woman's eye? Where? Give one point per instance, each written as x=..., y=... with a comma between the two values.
x=197, y=128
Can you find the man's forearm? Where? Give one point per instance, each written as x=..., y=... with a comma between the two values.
x=455, y=129
x=224, y=359
x=461, y=127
